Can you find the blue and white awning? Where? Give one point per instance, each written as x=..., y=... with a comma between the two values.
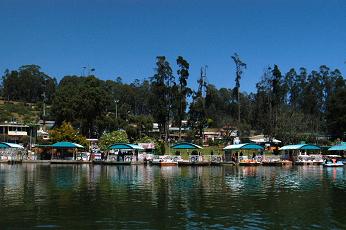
x=243, y=146
x=300, y=147
x=340, y=147
x=10, y=145
x=125, y=146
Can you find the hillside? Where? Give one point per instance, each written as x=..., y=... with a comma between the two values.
x=19, y=112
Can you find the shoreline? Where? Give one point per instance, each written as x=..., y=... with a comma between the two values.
x=79, y=162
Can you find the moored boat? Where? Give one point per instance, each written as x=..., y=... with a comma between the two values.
x=276, y=163
x=249, y=162
x=166, y=160
x=216, y=160
x=194, y=160
x=298, y=153
x=333, y=161
x=168, y=163
x=304, y=159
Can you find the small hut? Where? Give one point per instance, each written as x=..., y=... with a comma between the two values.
x=236, y=153
x=339, y=148
x=123, y=152
x=65, y=150
x=195, y=157
x=302, y=153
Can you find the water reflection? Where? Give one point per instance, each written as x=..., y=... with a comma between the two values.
x=88, y=196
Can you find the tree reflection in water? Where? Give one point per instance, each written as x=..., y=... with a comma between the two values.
x=95, y=196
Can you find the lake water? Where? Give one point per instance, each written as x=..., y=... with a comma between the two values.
x=34, y=196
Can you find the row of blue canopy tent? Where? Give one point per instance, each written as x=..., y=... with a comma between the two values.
x=252, y=146
x=184, y=145
x=338, y=147
x=125, y=146
x=71, y=145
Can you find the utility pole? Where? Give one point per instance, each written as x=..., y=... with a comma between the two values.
x=89, y=71
x=116, y=108
x=30, y=140
x=44, y=111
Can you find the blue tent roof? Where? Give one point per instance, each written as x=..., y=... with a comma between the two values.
x=300, y=146
x=340, y=147
x=125, y=146
x=67, y=145
x=243, y=146
x=3, y=145
x=10, y=145
x=186, y=145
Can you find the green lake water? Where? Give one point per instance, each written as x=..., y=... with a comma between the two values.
x=34, y=196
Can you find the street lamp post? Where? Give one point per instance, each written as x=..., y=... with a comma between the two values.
x=116, y=108
x=89, y=71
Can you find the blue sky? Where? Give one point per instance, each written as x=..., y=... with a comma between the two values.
x=123, y=37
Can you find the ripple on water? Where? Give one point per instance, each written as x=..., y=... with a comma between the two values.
x=47, y=226
x=157, y=198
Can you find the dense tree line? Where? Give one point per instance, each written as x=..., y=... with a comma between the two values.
x=299, y=103
x=293, y=106
x=28, y=84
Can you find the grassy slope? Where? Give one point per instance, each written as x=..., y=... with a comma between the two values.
x=205, y=151
x=19, y=112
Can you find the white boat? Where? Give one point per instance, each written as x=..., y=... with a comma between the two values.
x=333, y=161
x=304, y=159
x=166, y=160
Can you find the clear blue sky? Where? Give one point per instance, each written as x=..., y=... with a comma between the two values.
x=123, y=37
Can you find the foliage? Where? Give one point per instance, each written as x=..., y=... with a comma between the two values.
x=336, y=115
x=291, y=106
x=119, y=136
x=197, y=112
x=197, y=115
x=80, y=100
x=161, y=85
x=158, y=144
x=183, y=90
x=66, y=132
x=17, y=111
x=146, y=139
x=295, y=106
x=161, y=147
x=240, y=66
x=28, y=84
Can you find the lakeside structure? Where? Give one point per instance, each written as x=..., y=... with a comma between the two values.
x=14, y=132
x=246, y=154
x=299, y=154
